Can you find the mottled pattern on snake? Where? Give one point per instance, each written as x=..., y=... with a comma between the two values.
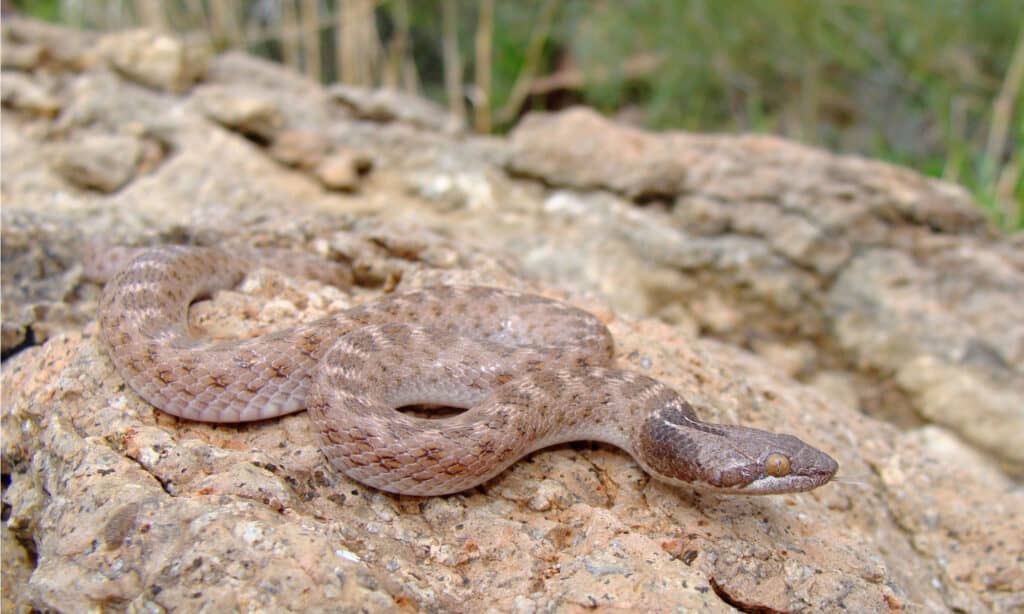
x=530, y=371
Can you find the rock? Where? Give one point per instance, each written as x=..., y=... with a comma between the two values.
x=342, y=170
x=302, y=102
x=961, y=531
x=22, y=57
x=763, y=261
x=102, y=102
x=299, y=148
x=18, y=91
x=39, y=274
x=847, y=220
x=99, y=162
x=197, y=500
x=394, y=106
x=947, y=326
x=154, y=59
x=247, y=112
x=580, y=149
x=29, y=44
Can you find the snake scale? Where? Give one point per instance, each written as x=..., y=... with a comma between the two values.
x=529, y=371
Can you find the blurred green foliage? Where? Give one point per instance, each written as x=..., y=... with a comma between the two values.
x=48, y=10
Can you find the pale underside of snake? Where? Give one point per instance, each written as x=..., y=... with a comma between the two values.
x=529, y=371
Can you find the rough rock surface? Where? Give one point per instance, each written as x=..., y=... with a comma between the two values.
x=100, y=162
x=857, y=305
x=390, y=105
x=886, y=272
x=154, y=59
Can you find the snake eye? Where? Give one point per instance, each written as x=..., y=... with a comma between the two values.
x=777, y=465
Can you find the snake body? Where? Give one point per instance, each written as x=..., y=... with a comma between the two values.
x=530, y=372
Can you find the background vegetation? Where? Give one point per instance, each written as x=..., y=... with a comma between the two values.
x=931, y=84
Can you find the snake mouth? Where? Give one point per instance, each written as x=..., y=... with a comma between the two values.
x=823, y=469
x=808, y=478
x=770, y=485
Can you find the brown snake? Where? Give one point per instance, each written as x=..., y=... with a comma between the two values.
x=530, y=371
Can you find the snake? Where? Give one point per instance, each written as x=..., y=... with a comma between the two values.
x=519, y=372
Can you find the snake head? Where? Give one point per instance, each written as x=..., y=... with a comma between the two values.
x=677, y=448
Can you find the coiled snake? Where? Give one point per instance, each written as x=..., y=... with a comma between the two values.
x=531, y=372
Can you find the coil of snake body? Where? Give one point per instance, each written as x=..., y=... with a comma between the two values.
x=529, y=371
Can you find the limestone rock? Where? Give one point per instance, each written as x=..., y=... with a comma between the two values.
x=580, y=149
x=18, y=91
x=22, y=57
x=391, y=105
x=901, y=271
x=29, y=44
x=342, y=170
x=753, y=261
x=300, y=148
x=247, y=112
x=155, y=59
x=961, y=531
x=99, y=162
x=948, y=326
